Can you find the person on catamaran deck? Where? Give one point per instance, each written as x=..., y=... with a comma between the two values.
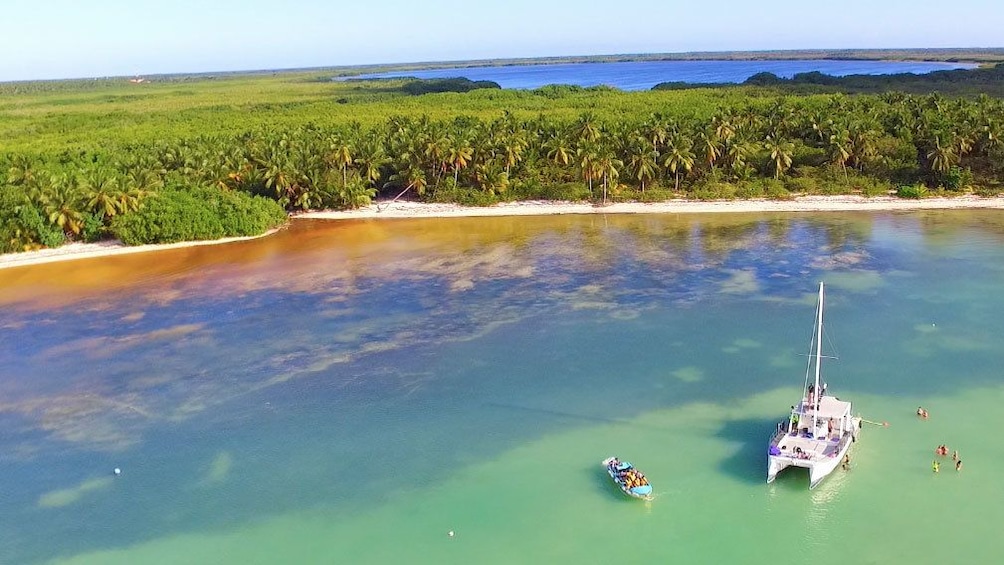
x=793, y=427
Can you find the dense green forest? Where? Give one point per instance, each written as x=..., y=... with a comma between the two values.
x=195, y=158
x=987, y=80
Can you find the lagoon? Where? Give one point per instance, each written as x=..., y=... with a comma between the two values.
x=352, y=391
x=643, y=75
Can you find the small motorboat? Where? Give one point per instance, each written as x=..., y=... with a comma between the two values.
x=629, y=479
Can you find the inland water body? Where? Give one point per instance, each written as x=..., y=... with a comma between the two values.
x=643, y=75
x=351, y=392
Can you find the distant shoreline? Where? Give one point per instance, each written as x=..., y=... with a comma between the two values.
x=405, y=209
x=975, y=56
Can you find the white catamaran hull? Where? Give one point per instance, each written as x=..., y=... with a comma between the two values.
x=820, y=464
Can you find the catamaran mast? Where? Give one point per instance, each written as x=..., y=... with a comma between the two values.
x=819, y=355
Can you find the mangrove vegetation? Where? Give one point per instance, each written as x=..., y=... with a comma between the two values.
x=206, y=157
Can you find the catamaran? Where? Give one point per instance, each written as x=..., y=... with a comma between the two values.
x=820, y=428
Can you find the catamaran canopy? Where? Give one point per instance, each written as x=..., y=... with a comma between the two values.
x=832, y=407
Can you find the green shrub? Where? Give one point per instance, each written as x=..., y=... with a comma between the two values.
x=801, y=185
x=22, y=225
x=175, y=214
x=475, y=197
x=92, y=228
x=956, y=179
x=418, y=87
x=242, y=215
x=870, y=186
x=777, y=191
x=762, y=188
x=651, y=194
x=713, y=190
x=911, y=191
x=533, y=189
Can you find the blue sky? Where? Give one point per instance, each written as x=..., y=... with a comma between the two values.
x=45, y=39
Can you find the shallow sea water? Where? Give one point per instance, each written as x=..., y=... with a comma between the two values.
x=353, y=391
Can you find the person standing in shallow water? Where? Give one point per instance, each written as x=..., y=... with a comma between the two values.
x=958, y=465
x=935, y=466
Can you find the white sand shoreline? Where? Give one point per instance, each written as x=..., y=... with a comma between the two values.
x=403, y=209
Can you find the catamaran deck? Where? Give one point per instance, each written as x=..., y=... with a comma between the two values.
x=833, y=421
x=812, y=448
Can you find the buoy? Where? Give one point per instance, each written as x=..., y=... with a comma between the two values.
x=118, y=471
x=450, y=533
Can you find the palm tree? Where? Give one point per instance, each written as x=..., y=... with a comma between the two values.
x=370, y=158
x=512, y=151
x=412, y=178
x=436, y=148
x=679, y=158
x=607, y=167
x=559, y=150
x=736, y=156
x=491, y=178
x=103, y=193
x=656, y=130
x=780, y=155
x=63, y=203
x=21, y=171
x=587, y=156
x=725, y=129
x=942, y=157
x=709, y=147
x=586, y=129
x=341, y=156
x=862, y=145
x=839, y=149
x=459, y=157
x=642, y=162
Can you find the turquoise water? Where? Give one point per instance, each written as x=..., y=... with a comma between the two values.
x=643, y=75
x=353, y=391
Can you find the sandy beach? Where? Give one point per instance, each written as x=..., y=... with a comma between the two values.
x=405, y=209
